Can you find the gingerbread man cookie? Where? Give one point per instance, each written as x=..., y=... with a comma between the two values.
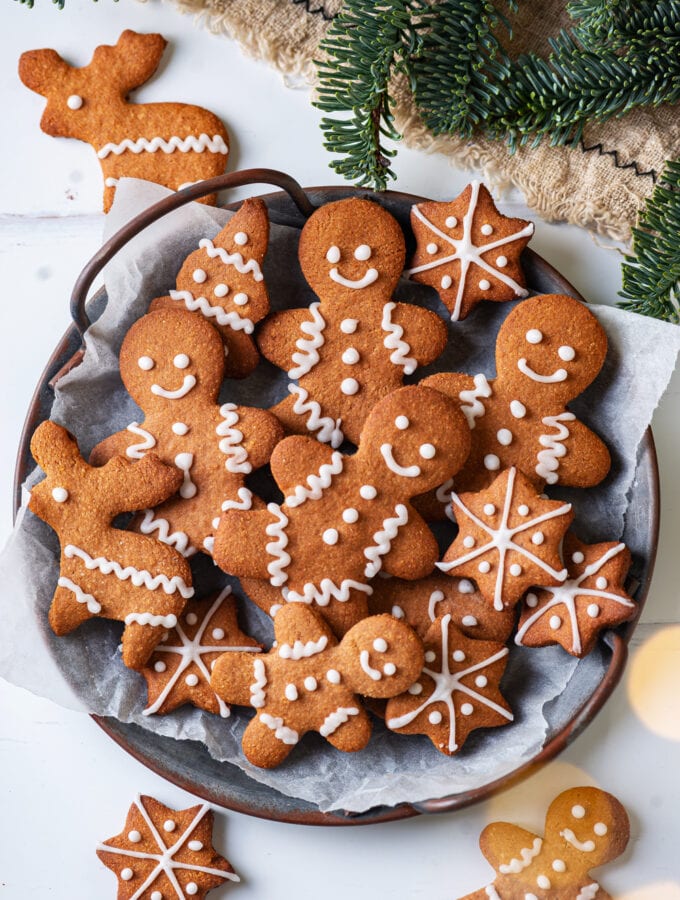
x=104, y=571
x=223, y=281
x=172, y=363
x=309, y=682
x=591, y=599
x=467, y=251
x=173, y=144
x=584, y=828
x=344, y=518
x=354, y=345
x=548, y=350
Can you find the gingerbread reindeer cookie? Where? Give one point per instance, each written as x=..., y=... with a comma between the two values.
x=223, y=281
x=173, y=144
x=354, y=345
x=344, y=518
x=104, y=571
x=172, y=363
x=584, y=828
x=548, y=350
x=309, y=682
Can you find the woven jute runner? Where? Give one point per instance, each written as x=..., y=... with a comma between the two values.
x=601, y=184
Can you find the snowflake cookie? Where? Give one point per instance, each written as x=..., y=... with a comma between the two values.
x=165, y=854
x=467, y=251
x=309, y=682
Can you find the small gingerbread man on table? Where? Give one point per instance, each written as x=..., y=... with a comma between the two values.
x=355, y=344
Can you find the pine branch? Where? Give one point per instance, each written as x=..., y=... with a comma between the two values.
x=651, y=275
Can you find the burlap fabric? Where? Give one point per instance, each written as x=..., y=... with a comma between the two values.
x=601, y=184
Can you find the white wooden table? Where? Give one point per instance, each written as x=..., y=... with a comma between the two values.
x=64, y=784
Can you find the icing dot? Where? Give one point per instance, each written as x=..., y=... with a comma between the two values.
x=333, y=254
x=160, y=666
x=435, y=717
x=347, y=326
x=523, y=510
x=416, y=688
x=504, y=436
x=75, y=101
x=469, y=621
x=531, y=600
x=145, y=363
x=484, y=284
x=134, y=837
x=432, y=249
x=60, y=494
x=218, y=633
x=195, y=846
x=157, y=895
x=530, y=897
x=492, y=462
x=215, y=524
x=489, y=509
x=484, y=567
x=179, y=428
x=518, y=409
x=559, y=865
x=191, y=618
x=330, y=536
x=397, y=612
x=430, y=656
x=451, y=221
x=350, y=515
x=350, y=356
x=402, y=423
x=380, y=644
x=363, y=252
x=191, y=888
x=467, y=709
x=593, y=610
x=169, y=825
x=389, y=668
x=199, y=275
x=481, y=681
x=241, y=238
x=458, y=655
x=577, y=557
x=181, y=361
x=566, y=353
x=501, y=262
x=578, y=812
x=126, y=874
x=465, y=587
x=515, y=569
x=486, y=229
x=427, y=451
x=534, y=336
x=543, y=882
x=349, y=386
x=310, y=683
x=368, y=492
x=601, y=583
x=333, y=676
x=469, y=541
x=555, y=622
x=240, y=299
x=191, y=680
x=291, y=692
x=537, y=538
x=446, y=282
x=600, y=829
x=221, y=290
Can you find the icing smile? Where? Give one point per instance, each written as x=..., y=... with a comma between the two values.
x=570, y=838
x=557, y=375
x=370, y=276
x=404, y=471
x=187, y=385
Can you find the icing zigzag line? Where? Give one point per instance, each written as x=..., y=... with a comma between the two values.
x=138, y=577
x=316, y=483
x=325, y=592
x=231, y=443
x=394, y=341
x=232, y=259
x=277, y=547
x=221, y=316
x=308, y=357
x=329, y=429
x=383, y=540
x=178, y=539
x=184, y=145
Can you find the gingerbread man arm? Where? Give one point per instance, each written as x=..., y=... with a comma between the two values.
x=587, y=460
x=114, y=445
x=413, y=552
x=234, y=673
x=425, y=333
x=502, y=844
x=241, y=542
x=450, y=383
x=261, y=431
x=138, y=485
x=297, y=622
x=278, y=336
x=354, y=734
x=297, y=460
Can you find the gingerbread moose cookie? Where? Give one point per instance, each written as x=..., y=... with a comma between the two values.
x=172, y=364
x=584, y=828
x=223, y=282
x=104, y=571
x=309, y=682
x=173, y=144
x=548, y=350
x=354, y=345
x=344, y=518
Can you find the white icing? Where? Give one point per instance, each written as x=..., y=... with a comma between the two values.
x=302, y=651
x=137, y=451
x=329, y=431
x=578, y=811
x=548, y=459
x=199, y=276
x=333, y=676
x=181, y=361
x=412, y=471
x=350, y=356
x=192, y=143
x=277, y=547
x=559, y=865
x=368, y=492
x=330, y=536
x=492, y=893
x=489, y=509
x=326, y=591
x=241, y=299
x=451, y=221
x=75, y=101
x=486, y=230
x=177, y=539
x=350, y=515
x=179, y=428
x=446, y=282
x=93, y=605
x=195, y=846
x=232, y=441
x=147, y=618
x=375, y=674
x=354, y=284
x=307, y=356
x=338, y=717
x=281, y=732
x=395, y=342
x=443, y=494
x=60, y=494
x=134, y=836
x=349, y=386
x=570, y=838
x=126, y=874
x=221, y=316
x=221, y=290
x=333, y=254
x=504, y=437
x=349, y=326
x=432, y=249
x=427, y=451
x=600, y=829
x=566, y=353
x=543, y=882
x=145, y=363
x=383, y=540
x=291, y=693
x=188, y=384
x=555, y=377
x=316, y=483
x=310, y=683
x=526, y=855
x=402, y=423
x=435, y=598
x=241, y=238
x=184, y=462
x=465, y=250
x=492, y=462
x=501, y=261
x=363, y=252
x=518, y=409
x=169, y=825
x=589, y=892
x=484, y=284
x=534, y=336
x=258, y=696
x=601, y=583
x=469, y=621
x=466, y=587
x=138, y=577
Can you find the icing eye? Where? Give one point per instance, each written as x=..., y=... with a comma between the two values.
x=75, y=101
x=333, y=255
x=380, y=645
x=402, y=423
x=427, y=451
x=363, y=252
x=600, y=829
x=221, y=290
x=534, y=336
x=60, y=494
x=240, y=299
x=199, y=275
x=145, y=363
x=578, y=812
x=181, y=361
x=241, y=238
x=566, y=353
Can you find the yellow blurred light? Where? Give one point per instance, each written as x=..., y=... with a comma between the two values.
x=653, y=683
x=666, y=890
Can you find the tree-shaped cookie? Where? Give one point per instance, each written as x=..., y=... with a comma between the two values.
x=309, y=682
x=584, y=828
x=104, y=571
x=223, y=281
x=591, y=599
x=467, y=251
x=457, y=691
x=548, y=350
x=344, y=518
x=165, y=854
x=509, y=539
x=172, y=364
x=354, y=345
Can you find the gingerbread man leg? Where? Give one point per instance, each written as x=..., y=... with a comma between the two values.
x=71, y=606
x=354, y=734
x=267, y=741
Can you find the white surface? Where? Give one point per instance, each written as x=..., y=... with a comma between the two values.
x=64, y=784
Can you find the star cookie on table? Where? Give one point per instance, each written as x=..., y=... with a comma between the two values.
x=165, y=854
x=509, y=538
x=590, y=600
x=179, y=670
x=468, y=251
x=457, y=691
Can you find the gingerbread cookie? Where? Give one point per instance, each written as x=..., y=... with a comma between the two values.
x=509, y=539
x=173, y=144
x=344, y=518
x=223, y=281
x=355, y=344
x=104, y=571
x=165, y=853
x=421, y=602
x=467, y=251
x=548, y=350
x=309, y=682
x=584, y=828
x=172, y=363
x=179, y=669
x=457, y=692
x=591, y=599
